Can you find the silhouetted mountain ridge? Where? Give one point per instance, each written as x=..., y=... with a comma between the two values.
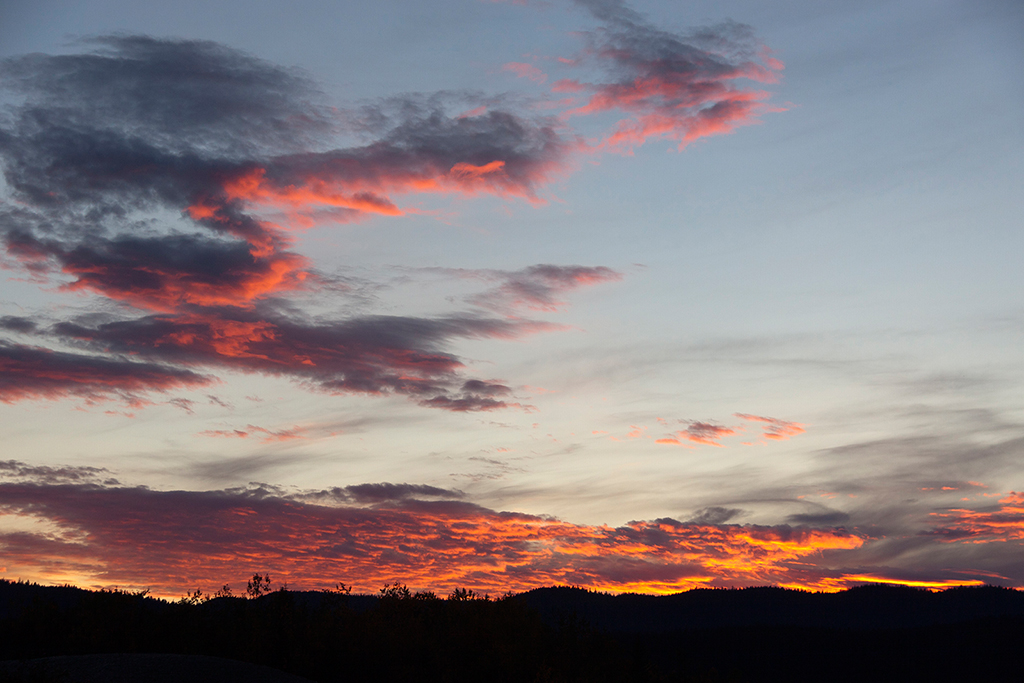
x=876, y=606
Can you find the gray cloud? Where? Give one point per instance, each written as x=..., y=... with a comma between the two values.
x=102, y=141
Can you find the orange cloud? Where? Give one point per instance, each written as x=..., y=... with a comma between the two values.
x=172, y=542
x=704, y=433
x=1005, y=523
x=777, y=430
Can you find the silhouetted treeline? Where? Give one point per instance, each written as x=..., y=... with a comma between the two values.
x=877, y=633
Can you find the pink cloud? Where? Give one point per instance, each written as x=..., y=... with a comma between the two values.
x=681, y=88
x=523, y=70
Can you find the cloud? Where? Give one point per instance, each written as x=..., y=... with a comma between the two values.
x=268, y=435
x=775, y=429
x=538, y=288
x=175, y=540
x=714, y=515
x=371, y=355
x=100, y=146
x=670, y=86
x=31, y=372
x=704, y=433
x=523, y=70
x=183, y=94
x=16, y=323
x=103, y=143
x=166, y=272
x=385, y=492
x=465, y=403
x=195, y=127
x=833, y=518
x=993, y=524
x=45, y=474
x=226, y=433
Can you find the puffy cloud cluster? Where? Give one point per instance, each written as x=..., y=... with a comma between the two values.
x=105, y=145
x=678, y=87
x=170, y=176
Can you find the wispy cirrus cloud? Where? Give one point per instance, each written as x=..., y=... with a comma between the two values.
x=774, y=428
x=265, y=435
x=524, y=70
x=710, y=433
x=539, y=288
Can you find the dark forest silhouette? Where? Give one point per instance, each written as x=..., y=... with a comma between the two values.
x=876, y=633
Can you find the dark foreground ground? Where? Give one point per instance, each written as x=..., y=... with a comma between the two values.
x=142, y=668
x=874, y=633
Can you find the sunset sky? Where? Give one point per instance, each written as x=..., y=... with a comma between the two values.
x=637, y=297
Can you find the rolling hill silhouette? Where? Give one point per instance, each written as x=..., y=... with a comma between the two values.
x=876, y=633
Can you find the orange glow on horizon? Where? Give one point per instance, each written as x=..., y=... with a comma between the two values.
x=930, y=585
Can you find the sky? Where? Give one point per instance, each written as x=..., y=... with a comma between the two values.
x=639, y=297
